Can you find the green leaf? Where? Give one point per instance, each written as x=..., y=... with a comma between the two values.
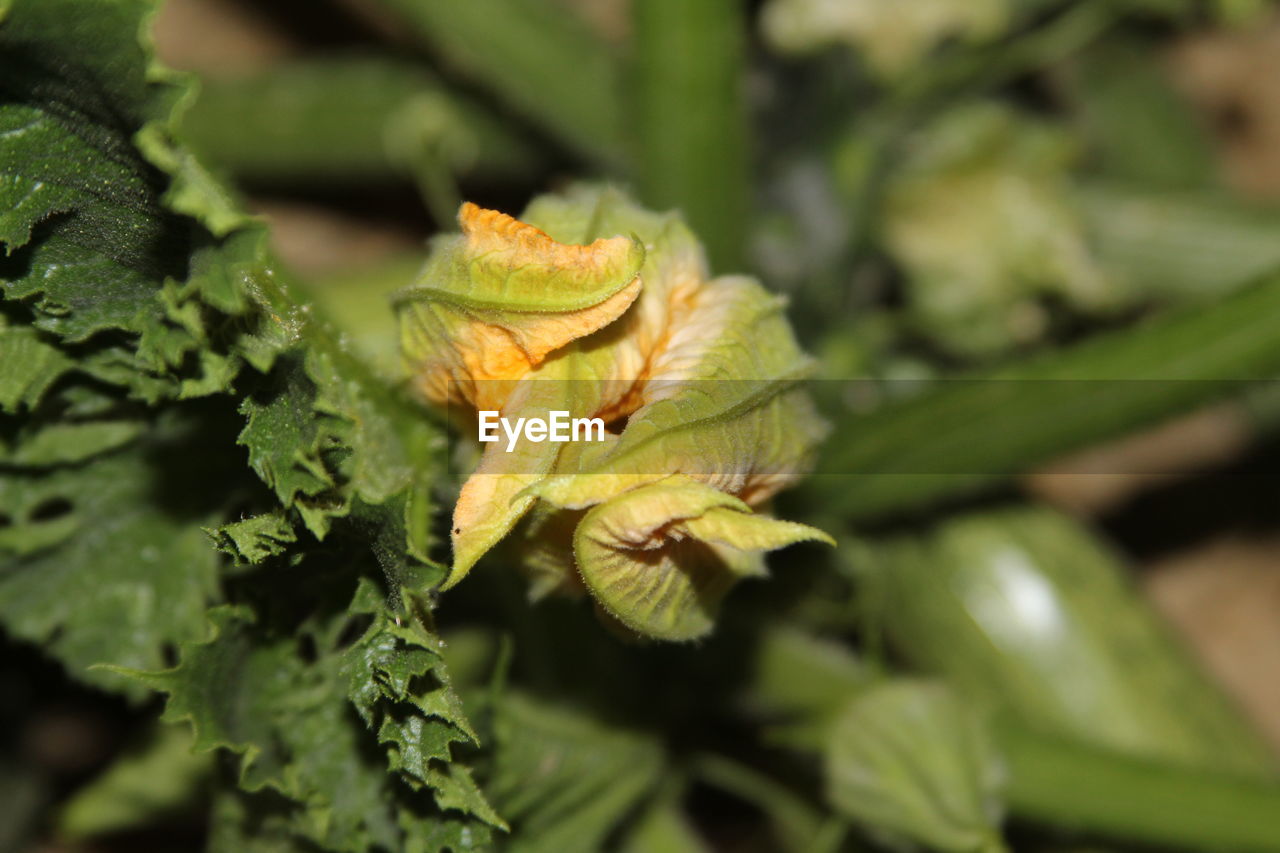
x=158, y=779
x=536, y=56
x=71, y=177
x=1179, y=245
x=286, y=437
x=400, y=688
x=1098, y=791
x=106, y=563
x=255, y=692
x=1141, y=129
x=350, y=119
x=964, y=435
x=68, y=443
x=664, y=829
x=909, y=759
x=254, y=539
x=253, y=823
x=323, y=431
x=804, y=680
x=157, y=288
x=798, y=825
x=564, y=779
x=31, y=364
x=982, y=222
x=90, y=245
x=1024, y=610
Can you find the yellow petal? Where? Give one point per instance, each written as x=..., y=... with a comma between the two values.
x=495, y=301
x=722, y=404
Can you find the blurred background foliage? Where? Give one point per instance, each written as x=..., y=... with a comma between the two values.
x=1054, y=619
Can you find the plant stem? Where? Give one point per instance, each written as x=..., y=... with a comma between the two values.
x=692, y=119
x=1082, y=787
x=970, y=433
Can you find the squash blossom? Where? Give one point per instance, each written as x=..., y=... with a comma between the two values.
x=593, y=306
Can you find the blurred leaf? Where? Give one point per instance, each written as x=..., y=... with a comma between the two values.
x=663, y=829
x=69, y=443
x=242, y=823
x=357, y=300
x=537, y=57
x=891, y=37
x=1170, y=245
x=909, y=759
x=31, y=363
x=349, y=120
x=1096, y=791
x=23, y=796
x=162, y=777
x=805, y=680
x=965, y=434
x=1140, y=130
x=981, y=219
x=1024, y=610
x=798, y=825
x=564, y=779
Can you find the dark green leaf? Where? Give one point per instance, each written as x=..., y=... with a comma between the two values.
x=31, y=364
x=256, y=692
x=106, y=563
x=86, y=235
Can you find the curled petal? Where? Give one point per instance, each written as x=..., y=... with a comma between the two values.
x=491, y=501
x=493, y=302
x=660, y=558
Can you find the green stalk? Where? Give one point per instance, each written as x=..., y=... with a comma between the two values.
x=355, y=119
x=964, y=435
x=537, y=57
x=692, y=118
x=1097, y=791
